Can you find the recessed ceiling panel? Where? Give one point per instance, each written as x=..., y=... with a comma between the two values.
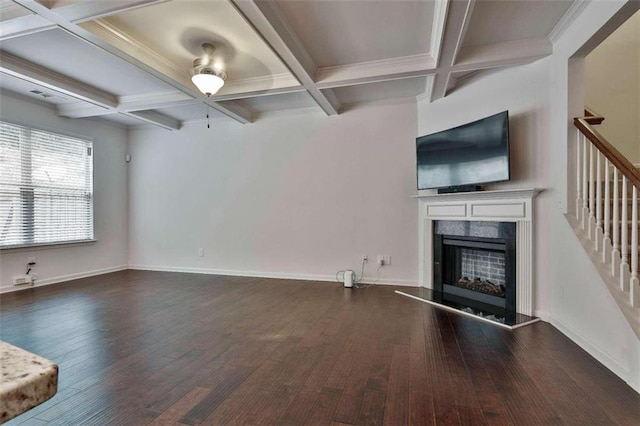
x=68, y=55
x=346, y=32
x=195, y=111
x=177, y=29
x=495, y=21
x=277, y=102
x=392, y=89
x=10, y=10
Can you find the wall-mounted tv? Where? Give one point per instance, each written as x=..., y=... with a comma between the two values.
x=471, y=154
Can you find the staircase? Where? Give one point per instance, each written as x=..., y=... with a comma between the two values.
x=606, y=214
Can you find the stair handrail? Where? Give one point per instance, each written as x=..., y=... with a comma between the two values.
x=609, y=151
x=592, y=117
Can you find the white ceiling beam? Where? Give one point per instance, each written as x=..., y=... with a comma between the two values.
x=24, y=25
x=75, y=13
x=269, y=22
x=155, y=118
x=158, y=101
x=82, y=110
x=155, y=101
x=28, y=71
x=126, y=49
x=128, y=104
x=506, y=54
x=91, y=98
x=438, y=25
x=458, y=17
x=375, y=71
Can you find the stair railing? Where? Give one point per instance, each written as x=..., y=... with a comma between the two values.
x=604, y=217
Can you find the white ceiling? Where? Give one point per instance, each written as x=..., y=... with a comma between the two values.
x=347, y=32
x=129, y=61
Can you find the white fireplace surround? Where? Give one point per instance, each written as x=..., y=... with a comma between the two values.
x=495, y=206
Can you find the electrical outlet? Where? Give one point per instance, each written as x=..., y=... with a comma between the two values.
x=387, y=260
x=200, y=252
x=22, y=280
x=380, y=260
x=365, y=258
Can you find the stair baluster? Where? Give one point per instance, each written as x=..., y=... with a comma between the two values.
x=579, y=146
x=599, y=231
x=624, y=240
x=615, y=252
x=606, y=238
x=585, y=198
x=592, y=195
x=606, y=216
x=634, y=284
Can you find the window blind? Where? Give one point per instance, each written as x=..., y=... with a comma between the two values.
x=46, y=187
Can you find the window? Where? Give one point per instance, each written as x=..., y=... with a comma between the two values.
x=46, y=187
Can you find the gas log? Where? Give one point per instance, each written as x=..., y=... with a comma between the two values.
x=483, y=286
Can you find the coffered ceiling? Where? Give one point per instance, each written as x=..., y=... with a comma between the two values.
x=129, y=61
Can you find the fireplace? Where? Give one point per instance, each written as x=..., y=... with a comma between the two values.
x=474, y=263
x=484, y=225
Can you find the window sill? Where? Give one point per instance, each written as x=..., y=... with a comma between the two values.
x=45, y=246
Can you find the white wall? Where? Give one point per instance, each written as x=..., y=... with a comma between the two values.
x=612, y=87
x=299, y=196
x=523, y=91
x=109, y=252
x=569, y=292
x=580, y=304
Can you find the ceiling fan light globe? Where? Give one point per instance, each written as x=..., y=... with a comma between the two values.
x=209, y=84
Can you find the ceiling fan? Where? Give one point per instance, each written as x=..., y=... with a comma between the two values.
x=207, y=74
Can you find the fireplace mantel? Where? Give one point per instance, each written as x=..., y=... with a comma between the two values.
x=511, y=205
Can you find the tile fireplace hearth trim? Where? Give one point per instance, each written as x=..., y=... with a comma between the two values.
x=499, y=206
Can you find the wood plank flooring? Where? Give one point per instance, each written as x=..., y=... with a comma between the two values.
x=157, y=348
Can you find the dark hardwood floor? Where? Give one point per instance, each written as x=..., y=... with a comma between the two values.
x=140, y=348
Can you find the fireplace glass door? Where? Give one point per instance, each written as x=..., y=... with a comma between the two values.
x=476, y=261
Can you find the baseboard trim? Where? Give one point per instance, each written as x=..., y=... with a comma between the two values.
x=543, y=315
x=63, y=278
x=262, y=274
x=599, y=354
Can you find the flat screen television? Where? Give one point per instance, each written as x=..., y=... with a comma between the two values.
x=471, y=154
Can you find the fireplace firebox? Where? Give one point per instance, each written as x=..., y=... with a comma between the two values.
x=475, y=264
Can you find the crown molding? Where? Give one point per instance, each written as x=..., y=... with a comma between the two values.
x=576, y=8
x=374, y=71
x=381, y=102
x=251, y=87
x=510, y=53
x=109, y=32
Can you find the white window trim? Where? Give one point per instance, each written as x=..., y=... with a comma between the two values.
x=45, y=246
x=50, y=245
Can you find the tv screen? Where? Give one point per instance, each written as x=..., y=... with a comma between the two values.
x=471, y=154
